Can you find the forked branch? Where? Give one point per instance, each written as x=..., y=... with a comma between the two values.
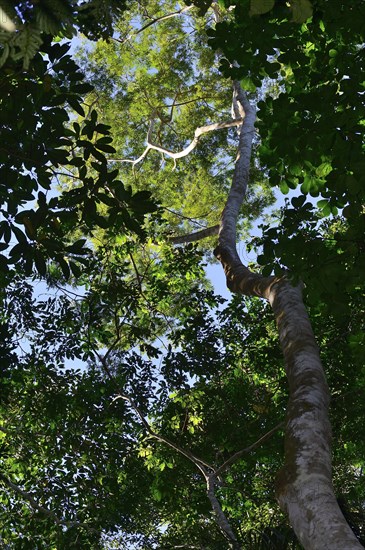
x=211, y=474
x=206, y=469
x=197, y=134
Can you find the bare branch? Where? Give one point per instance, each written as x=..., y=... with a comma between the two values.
x=197, y=236
x=249, y=449
x=197, y=134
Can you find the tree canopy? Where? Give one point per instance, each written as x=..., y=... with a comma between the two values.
x=140, y=409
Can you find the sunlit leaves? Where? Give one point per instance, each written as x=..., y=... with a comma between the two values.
x=326, y=208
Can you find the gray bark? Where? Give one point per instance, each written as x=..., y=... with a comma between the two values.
x=220, y=516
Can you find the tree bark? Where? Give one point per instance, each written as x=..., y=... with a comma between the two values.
x=304, y=487
x=197, y=236
x=220, y=516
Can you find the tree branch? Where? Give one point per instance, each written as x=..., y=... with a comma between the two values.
x=210, y=478
x=220, y=515
x=197, y=134
x=236, y=456
x=45, y=511
x=196, y=236
x=200, y=464
x=153, y=22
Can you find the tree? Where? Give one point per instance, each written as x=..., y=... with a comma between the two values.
x=88, y=442
x=161, y=83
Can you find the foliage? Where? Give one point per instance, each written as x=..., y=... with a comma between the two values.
x=311, y=134
x=79, y=438
x=163, y=72
x=45, y=143
x=25, y=24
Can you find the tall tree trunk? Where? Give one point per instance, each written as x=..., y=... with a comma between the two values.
x=304, y=486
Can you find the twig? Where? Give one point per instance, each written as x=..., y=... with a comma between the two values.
x=153, y=22
x=248, y=449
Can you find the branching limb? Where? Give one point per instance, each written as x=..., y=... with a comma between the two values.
x=206, y=469
x=200, y=464
x=197, y=134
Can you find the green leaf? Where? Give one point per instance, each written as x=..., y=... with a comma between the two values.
x=19, y=249
x=83, y=88
x=56, y=51
x=77, y=129
x=284, y=188
x=76, y=271
x=297, y=202
x=20, y=236
x=266, y=270
x=77, y=247
x=58, y=99
x=104, y=147
x=325, y=207
x=302, y=10
x=77, y=161
x=64, y=266
x=306, y=185
x=106, y=139
x=248, y=85
x=40, y=263
x=157, y=494
x=74, y=103
x=324, y=169
x=259, y=7
x=102, y=128
x=106, y=199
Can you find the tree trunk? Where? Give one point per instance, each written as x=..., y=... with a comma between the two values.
x=304, y=486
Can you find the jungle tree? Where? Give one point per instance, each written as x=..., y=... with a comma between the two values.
x=116, y=313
